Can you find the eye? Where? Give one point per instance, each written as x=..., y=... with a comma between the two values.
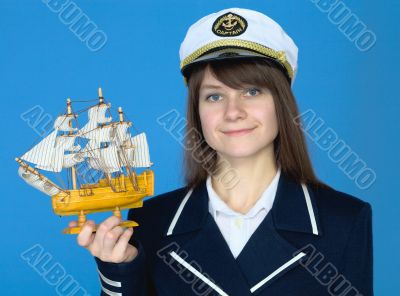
x=213, y=97
x=252, y=91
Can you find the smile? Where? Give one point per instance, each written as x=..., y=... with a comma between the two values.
x=236, y=133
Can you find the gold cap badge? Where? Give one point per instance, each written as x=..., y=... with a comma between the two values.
x=229, y=24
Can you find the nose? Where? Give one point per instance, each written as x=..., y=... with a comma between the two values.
x=234, y=108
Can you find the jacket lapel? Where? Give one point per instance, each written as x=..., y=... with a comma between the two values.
x=267, y=255
x=295, y=208
x=202, y=248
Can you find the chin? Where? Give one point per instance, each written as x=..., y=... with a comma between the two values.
x=246, y=150
x=239, y=153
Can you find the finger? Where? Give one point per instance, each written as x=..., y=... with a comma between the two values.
x=103, y=228
x=111, y=238
x=122, y=243
x=72, y=224
x=86, y=236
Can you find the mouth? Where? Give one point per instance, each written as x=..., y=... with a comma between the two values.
x=240, y=132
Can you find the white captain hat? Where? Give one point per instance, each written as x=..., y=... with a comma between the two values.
x=238, y=33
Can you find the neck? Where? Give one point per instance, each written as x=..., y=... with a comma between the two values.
x=251, y=176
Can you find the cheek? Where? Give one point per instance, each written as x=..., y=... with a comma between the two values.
x=208, y=123
x=267, y=115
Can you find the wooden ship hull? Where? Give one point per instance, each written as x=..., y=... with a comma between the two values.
x=100, y=197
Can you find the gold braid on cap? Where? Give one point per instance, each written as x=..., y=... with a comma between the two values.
x=279, y=56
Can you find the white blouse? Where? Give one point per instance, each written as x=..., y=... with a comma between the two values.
x=235, y=227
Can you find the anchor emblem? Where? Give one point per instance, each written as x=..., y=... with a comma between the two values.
x=230, y=22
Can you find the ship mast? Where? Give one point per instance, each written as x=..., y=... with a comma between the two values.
x=107, y=175
x=131, y=173
x=121, y=115
x=73, y=169
x=101, y=99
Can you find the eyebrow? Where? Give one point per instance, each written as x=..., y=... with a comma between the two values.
x=206, y=86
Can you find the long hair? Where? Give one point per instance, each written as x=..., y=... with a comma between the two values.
x=290, y=149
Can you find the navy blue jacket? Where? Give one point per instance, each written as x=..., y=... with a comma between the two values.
x=313, y=242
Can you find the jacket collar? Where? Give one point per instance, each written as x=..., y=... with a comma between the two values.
x=294, y=209
x=267, y=255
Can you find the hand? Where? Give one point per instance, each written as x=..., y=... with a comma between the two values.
x=110, y=243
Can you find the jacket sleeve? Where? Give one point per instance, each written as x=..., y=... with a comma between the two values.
x=123, y=278
x=358, y=254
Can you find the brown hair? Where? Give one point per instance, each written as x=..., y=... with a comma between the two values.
x=289, y=146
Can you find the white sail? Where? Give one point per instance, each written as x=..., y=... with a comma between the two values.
x=56, y=163
x=75, y=148
x=105, y=160
x=57, y=159
x=35, y=181
x=97, y=115
x=109, y=159
x=72, y=159
x=101, y=134
x=67, y=143
x=138, y=156
x=43, y=153
x=91, y=149
x=94, y=163
x=90, y=125
x=62, y=123
x=121, y=134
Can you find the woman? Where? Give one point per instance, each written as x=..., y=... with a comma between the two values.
x=253, y=218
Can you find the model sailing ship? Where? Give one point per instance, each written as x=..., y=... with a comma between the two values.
x=99, y=161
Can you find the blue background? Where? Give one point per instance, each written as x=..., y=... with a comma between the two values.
x=42, y=63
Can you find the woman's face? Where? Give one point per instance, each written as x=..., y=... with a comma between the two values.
x=237, y=123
